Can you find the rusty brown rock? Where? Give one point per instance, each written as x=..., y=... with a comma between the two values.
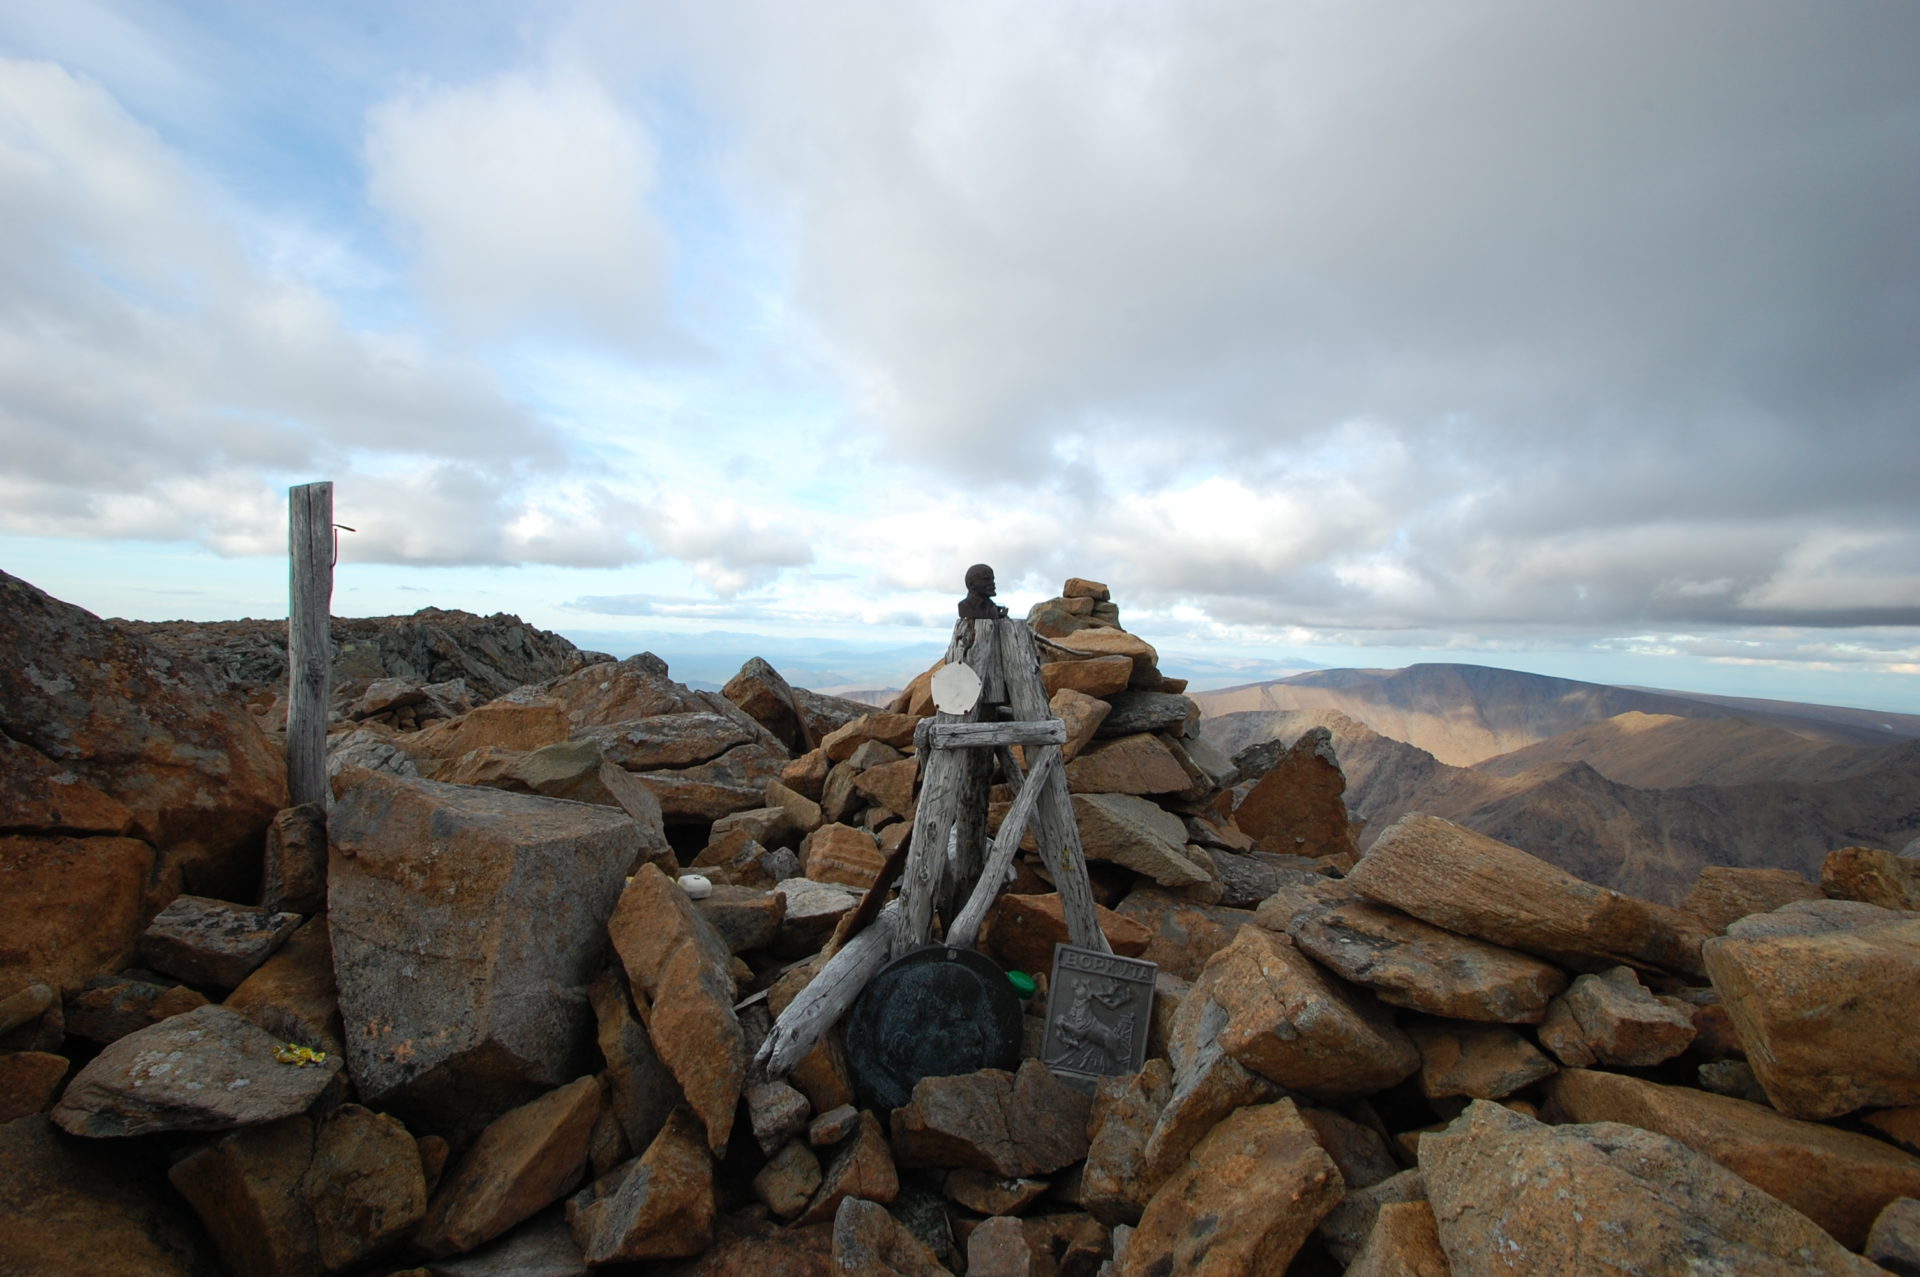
x=1299, y=806
x=1135, y=764
x=803, y=813
x=1512, y=1195
x=1289, y=1022
x=1894, y=1243
x=861, y=1167
x=807, y=774
x=1251, y=1194
x=1623, y=1024
x=1482, y=1061
x=292, y=995
x=70, y=1205
x=1470, y=884
x=1404, y=1243
x=246, y=1189
x=295, y=870
x=888, y=728
x=869, y=1242
x=156, y=734
x=40, y=796
x=1024, y=1123
x=678, y=968
x=519, y=726
x=1410, y=963
x=890, y=785
x=658, y=1206
x=767, y=698
x=365, y=1186
x=1112, y=642
x=527, y=1159
x=1873, y=876
x=1099, y=676
x=842, y=854
x=1815, y=1013
x=1136, y=833
x=789, y=1179
x=110, y=1007
x=1724, y=894
x=1125, y=1112
x=1838, y=1179
x=1184, y=934
x=28, y=1082
x=1021, y=930
x=70, y=908
x=574, y=770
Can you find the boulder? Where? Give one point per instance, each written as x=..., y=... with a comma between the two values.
x=574, y=770
x=1133, y=832
x=1816, y=917
x=292, y=995
x=868, y=1242
x=466, y=923
x=526, y=1159
x=678, y=971
x=1082, y=715
x=1872, y=875
x=158, y=735
x=110, y=1007
x=213, y=943
x=813, y=910
x=70, y=908
x=1099, y=676
x=516, y=726
x=881, y=725
x=1020, y=931
x=1251, y=1194
x=998, y=1248
x=989, y=1194
x=246, y=1189
x=763, y=695
x=1481, y=1061
x=1135, y=764
x=1512, y=1195
x=744, y=918
x=1148, y=711
x=861, y=1167
x=1624, y=1024
x=1109, y=642
x=843, y=854
x=209, y=1069
x=1404, y=1243
x=366, y=1186
x=1347, y=1227
x=1894, y=1243
x=1287, y=1021
x=295, y=869
x=1468, y=883
x=890, y=785
x=1024, y=1123
x=1723, y=894
x=789, y=1179
x=1410, y=963
x=641, y=1091
x=1125, y=1112
x=28, y=1081
x=38, y=795
x=72, y=1206
x=1299, y=806
x=1838, y=1179
x=1822, y=1015
x=1184, y=933
x=660, y=1205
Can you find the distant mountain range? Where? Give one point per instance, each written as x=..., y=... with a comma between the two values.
x=1633, y=788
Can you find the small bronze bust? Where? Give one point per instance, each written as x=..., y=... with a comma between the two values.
x=979, y=604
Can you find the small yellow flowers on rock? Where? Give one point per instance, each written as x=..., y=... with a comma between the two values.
x=299, y=1056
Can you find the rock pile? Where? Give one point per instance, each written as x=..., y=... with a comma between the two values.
x=496, y=1008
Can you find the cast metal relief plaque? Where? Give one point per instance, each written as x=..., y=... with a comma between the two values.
x=1099, y=1006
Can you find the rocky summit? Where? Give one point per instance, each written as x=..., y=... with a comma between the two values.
x=495, y=1008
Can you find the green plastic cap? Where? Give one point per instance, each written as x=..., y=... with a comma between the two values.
x=1022, y=982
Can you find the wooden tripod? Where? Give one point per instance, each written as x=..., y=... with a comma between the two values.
x=948, y=857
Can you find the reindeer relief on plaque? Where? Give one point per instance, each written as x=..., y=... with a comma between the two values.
x=1098, y=1009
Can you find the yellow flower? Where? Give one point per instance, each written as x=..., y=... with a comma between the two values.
x=299, y=1056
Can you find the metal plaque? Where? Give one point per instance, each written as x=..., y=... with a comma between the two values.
x=932, y=1013
x=1099, y=1008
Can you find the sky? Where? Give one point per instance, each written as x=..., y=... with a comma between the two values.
x=1581, y=338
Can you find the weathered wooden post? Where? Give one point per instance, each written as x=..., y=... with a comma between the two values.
x=309, y=640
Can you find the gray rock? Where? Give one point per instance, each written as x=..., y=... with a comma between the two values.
x=466, y=923
x=208, y=1069
x=213, y=943
x=1147, y=712
x=1815, y=917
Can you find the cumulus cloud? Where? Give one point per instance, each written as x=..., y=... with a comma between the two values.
x=525, y=199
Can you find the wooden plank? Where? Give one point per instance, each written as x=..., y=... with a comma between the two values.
x=1049, y=731
x=1054, y=827
x=965, y=930
x=309, y=640
x=828, y=995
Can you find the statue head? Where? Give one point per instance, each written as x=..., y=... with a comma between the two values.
x=980, y=580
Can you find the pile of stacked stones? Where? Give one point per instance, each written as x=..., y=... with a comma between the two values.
x=497, y=1014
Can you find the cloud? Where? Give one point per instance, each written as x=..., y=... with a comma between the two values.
x=525, y=200
x=156, y=377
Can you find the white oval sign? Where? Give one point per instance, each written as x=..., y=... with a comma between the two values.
x=956, y=688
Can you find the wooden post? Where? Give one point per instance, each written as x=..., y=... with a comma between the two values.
x=309, y=640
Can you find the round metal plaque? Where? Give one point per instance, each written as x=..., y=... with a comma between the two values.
x=933, y=1013
x=956, y=688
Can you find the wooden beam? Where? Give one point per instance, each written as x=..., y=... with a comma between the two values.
x=819, y=1006
x=993, y=875
x=988, y=735
x=309, y=640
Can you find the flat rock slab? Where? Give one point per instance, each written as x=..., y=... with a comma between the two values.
x=1299, y=806
x=1623, y=1023
x=1483, y=1061
x=527, y=1159
x=1410, y=963
x=1724, y=894
x=1512, y=1195
x=660, y=1205
x=1839, y=1179
x=214, y=944
x=208, y=1069
x=74, y=1208
x=1013, y=1124
x=1826, y=1018
x=1136, y=833
x=1252, y=1192
x=465, y=924
x=677, y=968
x=1471, y=884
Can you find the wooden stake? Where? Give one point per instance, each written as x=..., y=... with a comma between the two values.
x=309, y=640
